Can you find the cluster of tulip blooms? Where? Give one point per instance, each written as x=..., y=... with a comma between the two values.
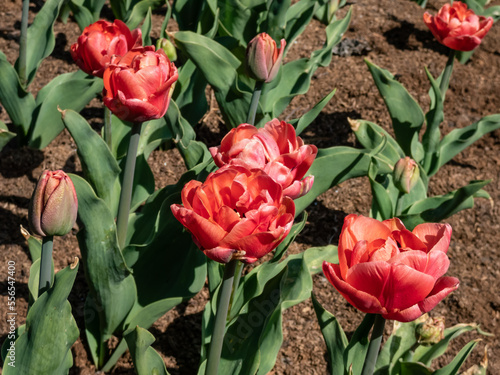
x=245, y=209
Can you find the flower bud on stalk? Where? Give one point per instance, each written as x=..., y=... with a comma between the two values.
x=264, y=58
x=168, y=47
x=406, y=174
x=53, y=206
x=430, y=331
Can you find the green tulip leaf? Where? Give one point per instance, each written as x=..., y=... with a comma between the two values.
x=432, y=135
x=435, y=209
x=5, y=135
x=298, y=17
x=453, y=367
x=18, y=103
x=371, y=135
x=294, y=232
x=335, y=338
x=146, y=360
x=306, y=119
x=275, y=98
x=355, y=353
x=146, y=29
x=334, y=165
x=399, y=343
x=407, y=116
x=134, y=12
x=81, y=14
x=199, y=16
x=459, y=139
x=189, y=93
x=426, y=354
x=41, y=39
x=414, y=368
x=67, y=91
x=44, y=348
x=112, y=287
x=98, y=164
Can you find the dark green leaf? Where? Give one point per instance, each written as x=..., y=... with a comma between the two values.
x=99, y=166
x=68, y=91
x=146, y=29
x=407, y=116
x=454, y=366
x=146, y=360
x=306, y=119
x=335, y=338
x=355, y=353
x=5, y=135
x=459, y=139
x=44, y=348
x=18, y=103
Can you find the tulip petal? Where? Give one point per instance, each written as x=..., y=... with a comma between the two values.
x=219, y=254
x=443, y=287
x=434, y=236
x=361, y=300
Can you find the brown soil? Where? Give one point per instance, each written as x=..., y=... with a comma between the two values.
x=391, y=33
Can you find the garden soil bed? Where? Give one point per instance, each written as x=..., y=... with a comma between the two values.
x=390, y=33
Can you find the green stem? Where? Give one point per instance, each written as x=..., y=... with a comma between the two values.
x=236, y=284
x=128, y=179
x=115, y=356
x=374, y=346
x=107, y=127
x=23, y=41
x=445, y=79
x=220, y=319
x=254, y=103
x=45, y=279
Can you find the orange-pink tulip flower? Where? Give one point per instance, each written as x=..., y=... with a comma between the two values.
x=275, y=148
x=236, y=213
x=100, y=41
x=457, y=27
x=138, y=86
x=54, y=205
x=386, y=269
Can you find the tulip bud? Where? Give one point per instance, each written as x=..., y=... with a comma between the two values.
x=167, y=46
x=53, y=206
x=430, y=331
x=406, y=174
x=263, y=57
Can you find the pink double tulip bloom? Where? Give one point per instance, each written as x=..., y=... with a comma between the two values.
x=100, y=41
x=54, y=205
x=457, y=27
x=386, y=269
x=263, y=57
x=236, y=213
x=138, y=86
x=275, y=148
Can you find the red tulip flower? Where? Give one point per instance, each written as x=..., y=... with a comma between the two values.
x=457, y=27
x=386, y=269
x=236, y=213
x=275, y=148
x=138, y=86
x=100, y=41
x=54, y=205
x=263, y=57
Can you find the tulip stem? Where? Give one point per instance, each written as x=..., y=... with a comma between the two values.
x=220, y=319
x=128, y=179
x=23, y=41
x=236, y=284
x=45, y=279
x=107, y=127
x=399, y=203
x=445, y=79
x=254, y=103
x=374, y=346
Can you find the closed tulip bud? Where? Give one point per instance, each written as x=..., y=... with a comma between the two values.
x=264, y=58
x=430, y=331
x=406, y=174
x=168, y=47
x=53, y=206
